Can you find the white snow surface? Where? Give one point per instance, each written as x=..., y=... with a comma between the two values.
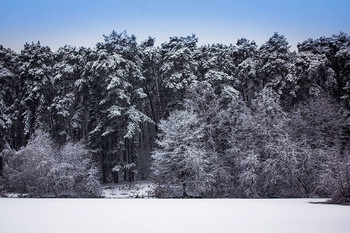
x=138, y=189
x=171, y=215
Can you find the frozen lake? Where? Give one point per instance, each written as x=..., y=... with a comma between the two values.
x=167, y=216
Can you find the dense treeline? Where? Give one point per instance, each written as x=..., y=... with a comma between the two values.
x=214, y=120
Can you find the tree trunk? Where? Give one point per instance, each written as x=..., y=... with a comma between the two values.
x=115, y=177
x=184, y=193
x=152, y=108
x=104, y=167
x=126, y=159
x=306, y=194
x=131, y=176
x=131, y=160
x=1, y=162
x=104, y=172
x=125, y=175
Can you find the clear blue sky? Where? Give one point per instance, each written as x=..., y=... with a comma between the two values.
x=83, y=22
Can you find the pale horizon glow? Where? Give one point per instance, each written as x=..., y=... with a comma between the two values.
x=83, y=23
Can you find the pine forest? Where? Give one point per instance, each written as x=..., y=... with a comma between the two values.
x=198, y=121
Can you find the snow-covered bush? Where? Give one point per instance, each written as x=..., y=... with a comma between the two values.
x=27, y=169
x=42, y=170
x=74, y=174
x=335, y=175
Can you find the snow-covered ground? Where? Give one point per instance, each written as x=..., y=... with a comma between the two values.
x=139, y=189
x=169, y=215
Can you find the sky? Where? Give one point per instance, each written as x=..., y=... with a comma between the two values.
x=84, y=22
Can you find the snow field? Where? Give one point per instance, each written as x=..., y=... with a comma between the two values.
x=171, y=216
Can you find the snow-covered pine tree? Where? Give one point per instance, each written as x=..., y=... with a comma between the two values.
x=152, y=104
x=275, y=63
x=8, y=95
x=310, y=73
x=35, y=67
x=178, y=69
x=116, y=132
x=68, y=68
x=342, y=59
x=8, y=101
x=246, y=80
x=151, y=58
x=334, y=77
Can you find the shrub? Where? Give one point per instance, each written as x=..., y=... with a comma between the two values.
x=41, y=170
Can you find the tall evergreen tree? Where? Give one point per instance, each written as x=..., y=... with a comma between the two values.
x=35, y=67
